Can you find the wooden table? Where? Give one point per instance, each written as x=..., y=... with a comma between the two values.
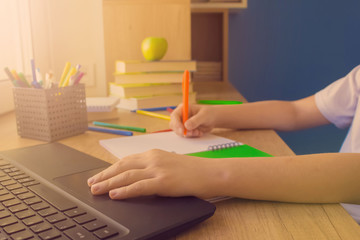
x=235, y=218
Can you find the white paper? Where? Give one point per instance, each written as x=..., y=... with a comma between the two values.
x=168, y=141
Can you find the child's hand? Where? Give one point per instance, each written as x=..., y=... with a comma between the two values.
x=201, y=120
x=157, y=172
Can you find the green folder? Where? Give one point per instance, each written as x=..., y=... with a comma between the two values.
x=231, y=152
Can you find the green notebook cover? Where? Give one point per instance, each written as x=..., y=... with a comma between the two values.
x=231, y=152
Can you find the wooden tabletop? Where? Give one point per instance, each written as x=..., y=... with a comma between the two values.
x=234, y=218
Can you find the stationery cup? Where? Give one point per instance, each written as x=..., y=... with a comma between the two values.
x=50, y=114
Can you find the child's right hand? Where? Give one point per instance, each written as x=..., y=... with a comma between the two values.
x=201, y=120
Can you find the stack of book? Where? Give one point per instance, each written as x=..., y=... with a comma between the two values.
x=148, y=84
x=208, y=71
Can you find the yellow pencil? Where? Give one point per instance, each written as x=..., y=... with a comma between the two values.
x=151, y=114
x=67, y=78
x=65, y=73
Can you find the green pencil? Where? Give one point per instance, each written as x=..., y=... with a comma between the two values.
x=109, y=125
x=218, y=102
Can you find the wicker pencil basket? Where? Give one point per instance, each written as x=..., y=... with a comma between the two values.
x=50, y=114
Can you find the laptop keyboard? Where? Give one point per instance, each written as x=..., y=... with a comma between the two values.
x=31, y=210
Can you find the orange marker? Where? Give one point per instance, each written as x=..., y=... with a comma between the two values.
x=185, y=90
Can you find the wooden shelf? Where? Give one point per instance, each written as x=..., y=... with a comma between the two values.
x=209, y=38
x=209, y=43
x=220, y=5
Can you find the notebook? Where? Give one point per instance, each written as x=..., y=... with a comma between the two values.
x=101, y=104
x=44, y=195
x=208, y=145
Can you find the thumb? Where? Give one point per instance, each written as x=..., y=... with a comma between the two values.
x=195, y=121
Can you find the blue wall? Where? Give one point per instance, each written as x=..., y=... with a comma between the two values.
x=286, y=50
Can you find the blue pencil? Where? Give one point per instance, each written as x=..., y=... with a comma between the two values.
x=155, y=109
x=113, y=131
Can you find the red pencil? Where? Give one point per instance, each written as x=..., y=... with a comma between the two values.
x=164, y=130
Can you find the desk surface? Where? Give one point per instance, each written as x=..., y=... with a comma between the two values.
x=235, y=218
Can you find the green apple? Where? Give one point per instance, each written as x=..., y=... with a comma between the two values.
x=154, y=48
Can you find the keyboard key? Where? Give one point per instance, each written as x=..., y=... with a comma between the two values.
x=41, y=227
x=25, y=214
x=50, y=234
x=19, y=191
x=63, y=225
x=26, y=195
x=32, y=183
x=18, y=208
x=105, y=233
x=11, y=202
x=32, y=200
x=3, y=191
x=14, y=169
x=13, y=186
x=5, y=166
x=55, y=218
x=17, y=227
x=7, y=169
x=16, y=177
x=79, y=233
x=8, y=182
x=17, y=173
x=74, y=212
x=39, y=206
x=27, y=179
x=5, y=178
x=7, y=221
x=94, y=225
x=4, y=236
x=47, y=212
x=54, y=198
x=6, y=197
x=84, y=218
x=32, y=220
x=4, y=214
x=23, y=235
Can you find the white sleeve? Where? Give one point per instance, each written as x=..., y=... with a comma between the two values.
x=338, y=101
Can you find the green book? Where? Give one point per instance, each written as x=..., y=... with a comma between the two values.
x=224, y=151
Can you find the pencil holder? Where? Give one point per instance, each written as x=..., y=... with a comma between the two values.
x=50, y=114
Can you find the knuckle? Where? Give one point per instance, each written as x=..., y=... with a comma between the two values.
x=125, y=177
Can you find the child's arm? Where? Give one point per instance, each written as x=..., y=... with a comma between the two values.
x=318, y=178
x=278, y=115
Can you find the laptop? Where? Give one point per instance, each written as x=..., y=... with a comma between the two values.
x=44, y=194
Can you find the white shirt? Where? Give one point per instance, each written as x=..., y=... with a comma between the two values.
x=340, y=104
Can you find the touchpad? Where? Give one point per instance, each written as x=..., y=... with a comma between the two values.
x=76, y=184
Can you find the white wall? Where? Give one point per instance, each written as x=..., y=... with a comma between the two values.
x=68, y=30
x=15, y=46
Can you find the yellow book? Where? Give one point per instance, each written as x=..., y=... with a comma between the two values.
x=148, y=77
x=145, y=89
x=154, y=101
x=154, y=66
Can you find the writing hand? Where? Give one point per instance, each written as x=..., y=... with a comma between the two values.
x=201, y=120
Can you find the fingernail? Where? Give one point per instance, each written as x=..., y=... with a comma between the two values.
x=90, y=181
x=95, y=188
x=113, y=194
